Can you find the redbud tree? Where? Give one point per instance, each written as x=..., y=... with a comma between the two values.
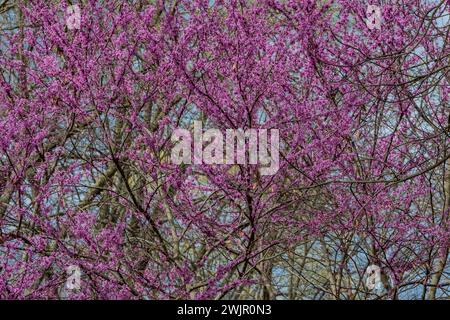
x=86, y=177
